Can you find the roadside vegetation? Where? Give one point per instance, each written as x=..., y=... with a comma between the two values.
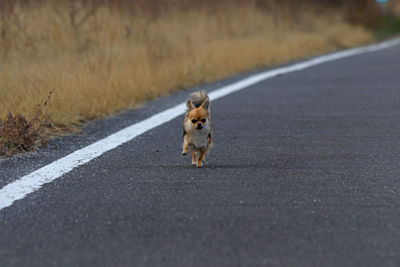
x=99, y=57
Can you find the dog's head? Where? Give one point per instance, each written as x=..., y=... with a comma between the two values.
x=198, y=117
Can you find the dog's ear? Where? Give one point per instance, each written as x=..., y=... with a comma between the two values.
x=189, y=105
x=206, y=104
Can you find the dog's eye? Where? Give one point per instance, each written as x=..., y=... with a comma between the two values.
x=194, y=121
x=203, y=120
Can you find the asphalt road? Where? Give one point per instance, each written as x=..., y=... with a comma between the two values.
x=304, y=172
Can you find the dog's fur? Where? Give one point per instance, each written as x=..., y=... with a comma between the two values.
x=197, y=128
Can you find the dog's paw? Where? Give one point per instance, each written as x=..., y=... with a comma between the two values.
x=199, y=165
x=184, y=154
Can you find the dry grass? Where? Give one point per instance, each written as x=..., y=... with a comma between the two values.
x=18, y=135
x=99, y=61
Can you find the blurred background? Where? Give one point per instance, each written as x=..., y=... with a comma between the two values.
x=71, y=61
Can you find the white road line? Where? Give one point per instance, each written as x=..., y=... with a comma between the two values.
x=34, y=181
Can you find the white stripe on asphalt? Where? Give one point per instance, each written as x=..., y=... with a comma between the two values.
x=34, y=181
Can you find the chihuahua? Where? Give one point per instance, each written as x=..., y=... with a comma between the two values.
x=197, y=129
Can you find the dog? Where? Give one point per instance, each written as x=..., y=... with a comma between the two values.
x=197, y=127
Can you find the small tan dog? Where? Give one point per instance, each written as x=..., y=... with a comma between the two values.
x=197, y=128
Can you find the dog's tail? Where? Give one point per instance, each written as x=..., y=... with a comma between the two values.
x=200, y=98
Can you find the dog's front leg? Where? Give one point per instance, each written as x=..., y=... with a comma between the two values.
x=200, y=158
x=202, y=154
x=194, y=158
x=185, y=149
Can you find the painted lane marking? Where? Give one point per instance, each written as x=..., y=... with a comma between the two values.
x=34, y=181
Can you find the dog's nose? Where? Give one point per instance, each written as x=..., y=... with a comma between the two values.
x=199, y=125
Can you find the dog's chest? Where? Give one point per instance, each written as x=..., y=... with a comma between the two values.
x=199, y=138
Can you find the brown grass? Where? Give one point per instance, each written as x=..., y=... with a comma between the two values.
x=100, y=59
x=18, y=135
